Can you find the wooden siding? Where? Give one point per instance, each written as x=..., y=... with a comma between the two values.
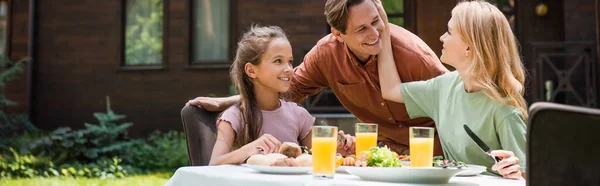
x=77, y=52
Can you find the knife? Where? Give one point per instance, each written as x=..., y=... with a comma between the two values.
x=480, y=143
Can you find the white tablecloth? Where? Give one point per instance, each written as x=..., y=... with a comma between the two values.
x=226, y=175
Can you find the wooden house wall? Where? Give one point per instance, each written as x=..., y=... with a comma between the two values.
x=77, y=57
x=77, y=53
x=18, y=41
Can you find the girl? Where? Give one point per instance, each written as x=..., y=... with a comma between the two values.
x=261, y=121
x=485, y=92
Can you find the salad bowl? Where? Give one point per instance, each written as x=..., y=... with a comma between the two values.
x=405, y=174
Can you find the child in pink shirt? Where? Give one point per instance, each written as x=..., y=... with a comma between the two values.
x=262, y=69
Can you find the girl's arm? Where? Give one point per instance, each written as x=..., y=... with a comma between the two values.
x=222, y=153
x=389, y=79
x=307, y=141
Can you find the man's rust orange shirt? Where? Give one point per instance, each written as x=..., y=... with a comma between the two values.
x=330, y=64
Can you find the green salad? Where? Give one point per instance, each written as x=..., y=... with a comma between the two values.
x=383, y=157
x=439, y=161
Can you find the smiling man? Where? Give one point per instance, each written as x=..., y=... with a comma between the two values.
x=346, y=61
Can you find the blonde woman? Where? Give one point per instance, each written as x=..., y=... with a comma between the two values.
x=485, y=92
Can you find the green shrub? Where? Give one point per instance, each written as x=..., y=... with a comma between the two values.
x=11, y=124
x=104, y=140
x=162, y=152
x=29, y=166
x=24, y=166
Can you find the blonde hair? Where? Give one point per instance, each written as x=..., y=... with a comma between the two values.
x=495, y=65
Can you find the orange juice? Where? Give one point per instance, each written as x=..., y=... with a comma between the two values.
x=323, y=155
x=364, y=141
x=421, y=152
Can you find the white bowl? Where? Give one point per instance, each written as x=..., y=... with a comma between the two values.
x=427, y=175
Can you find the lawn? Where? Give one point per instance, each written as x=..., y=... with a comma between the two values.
x=149, y=180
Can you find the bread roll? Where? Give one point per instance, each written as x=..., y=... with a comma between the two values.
x=290, y=149
x=304, y=160
x=276, y=156
x=259, y=159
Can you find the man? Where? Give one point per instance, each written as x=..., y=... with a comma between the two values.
x=346, y=61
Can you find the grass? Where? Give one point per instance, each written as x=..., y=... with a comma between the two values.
x=150, y=180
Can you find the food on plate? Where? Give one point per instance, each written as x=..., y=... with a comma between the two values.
x=378, y=157
x=290, y=149
x=304, y=160
x=305, y=150
x=339, y=160
x=349, y=160
x=274, y=159
x=404, y=157
x=280, y=160
x=439, y=161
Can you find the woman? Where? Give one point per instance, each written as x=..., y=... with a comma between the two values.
x=485, y=92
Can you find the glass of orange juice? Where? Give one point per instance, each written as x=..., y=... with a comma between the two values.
x=421, y=146
x=366, y=137
x=324, y=146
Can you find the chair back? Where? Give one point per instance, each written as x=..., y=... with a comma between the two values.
x=200, y=128
x=563, y=145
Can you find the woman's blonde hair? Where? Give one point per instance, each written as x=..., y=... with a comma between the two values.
x=495, y=65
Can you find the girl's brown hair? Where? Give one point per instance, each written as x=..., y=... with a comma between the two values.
x=251, y=48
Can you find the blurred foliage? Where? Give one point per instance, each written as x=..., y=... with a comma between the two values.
x=106, y=139
x=28, y=166
x=162, y=152
x=394, y=7
x=100, y=150
x=144, y=32
x=11, y=124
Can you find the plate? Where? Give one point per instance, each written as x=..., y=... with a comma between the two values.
x=341, y=169
x=472, y=170
x=279, y=170
x=427, y=175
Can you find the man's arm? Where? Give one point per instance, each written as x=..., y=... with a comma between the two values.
x=308, y=77
x=308, y=80
x=214, y=104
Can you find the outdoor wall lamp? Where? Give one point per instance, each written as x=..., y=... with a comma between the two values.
x=541, y=9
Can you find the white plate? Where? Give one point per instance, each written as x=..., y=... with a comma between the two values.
x=429, y=175
x=279, y=170
x=341, y=169
x=472, y=170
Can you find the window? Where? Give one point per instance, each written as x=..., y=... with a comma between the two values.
x=395, y=11
x=508, y=8
x=4, y=28
x=144, y=31
x=210, y=31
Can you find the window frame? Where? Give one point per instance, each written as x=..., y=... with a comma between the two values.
x=408, y=15
x=163, y=64
x=9, y=11
x=214, y=64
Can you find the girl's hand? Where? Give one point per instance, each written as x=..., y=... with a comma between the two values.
x=264, y=145
x=346, y=145
x=508, y=166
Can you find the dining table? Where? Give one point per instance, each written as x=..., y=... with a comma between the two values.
x=230, y=175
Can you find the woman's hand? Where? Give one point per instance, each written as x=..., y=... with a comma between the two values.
x=508, y=166
x=346, y=146
x=264, y=145
x=382, y=12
